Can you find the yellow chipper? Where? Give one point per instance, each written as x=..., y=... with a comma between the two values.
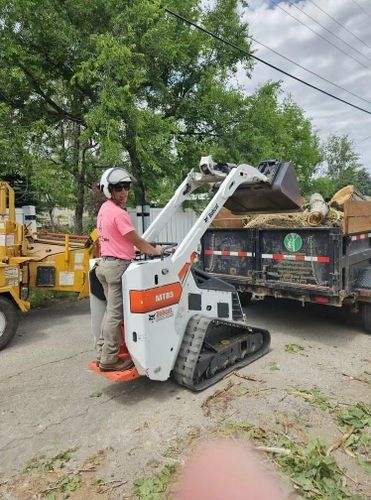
x=52, y=261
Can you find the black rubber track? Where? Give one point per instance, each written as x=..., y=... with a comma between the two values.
x=190, y=350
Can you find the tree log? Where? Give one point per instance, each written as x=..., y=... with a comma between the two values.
x=318, y=209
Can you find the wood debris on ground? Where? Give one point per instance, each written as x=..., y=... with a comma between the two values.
x=341, y=441
x=219, y=395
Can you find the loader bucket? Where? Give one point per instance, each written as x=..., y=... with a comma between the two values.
x=280, y=194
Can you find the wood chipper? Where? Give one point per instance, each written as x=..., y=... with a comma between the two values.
x=51, y=261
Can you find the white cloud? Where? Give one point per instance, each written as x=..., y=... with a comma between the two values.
x=273, y=27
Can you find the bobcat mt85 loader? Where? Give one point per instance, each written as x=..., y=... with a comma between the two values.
x=178, y=320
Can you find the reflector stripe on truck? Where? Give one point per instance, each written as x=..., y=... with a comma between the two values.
x=362, y=236
x=305, y=258
x=227, y=253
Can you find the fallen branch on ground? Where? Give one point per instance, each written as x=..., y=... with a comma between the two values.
x=218, y=393
x=245, y=377
x=356, y=378
x=341, y=441
x=273, y=449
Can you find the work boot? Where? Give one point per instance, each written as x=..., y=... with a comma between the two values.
x=117, y=366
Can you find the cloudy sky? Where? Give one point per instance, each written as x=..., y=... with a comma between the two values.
x=273, y=27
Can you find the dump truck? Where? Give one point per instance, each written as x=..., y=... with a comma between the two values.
x=47, y=261
x=324, y=265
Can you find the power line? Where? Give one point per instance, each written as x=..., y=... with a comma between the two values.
x=341, y=25
x=365, y=139
x=310, y=71
x=318, y=34
x=361, y=8
x=329, y=31
x=240, y=49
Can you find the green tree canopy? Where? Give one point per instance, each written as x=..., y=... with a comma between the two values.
x=343, y=166
x=269, y=126
x=86, y=85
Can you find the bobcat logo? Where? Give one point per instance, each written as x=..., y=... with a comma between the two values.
x=161, y=314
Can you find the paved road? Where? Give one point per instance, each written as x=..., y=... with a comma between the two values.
x=51, y=402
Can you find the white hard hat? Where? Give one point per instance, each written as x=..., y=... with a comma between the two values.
x=113, y=176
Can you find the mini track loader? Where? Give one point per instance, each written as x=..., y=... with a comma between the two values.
x=180, y=321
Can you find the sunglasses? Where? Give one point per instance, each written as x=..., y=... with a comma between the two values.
x=122, y=186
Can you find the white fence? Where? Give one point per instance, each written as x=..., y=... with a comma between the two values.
x=176, y=229
x=174, y=232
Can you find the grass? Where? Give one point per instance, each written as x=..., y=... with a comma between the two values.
x=307, y=463
x=273, y=366
x=155, y=488
x=43, y=298
x=59, y=461
x=312, y=396
x=246, y=429
x=96, y=394
x=293, y=348
x=314, y=474
x=354, y=420
x=65, y=486
x=357, y=416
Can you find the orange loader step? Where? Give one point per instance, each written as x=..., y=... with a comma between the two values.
x=124, y=376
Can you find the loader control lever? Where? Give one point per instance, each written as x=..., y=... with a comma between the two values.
x=166, y=251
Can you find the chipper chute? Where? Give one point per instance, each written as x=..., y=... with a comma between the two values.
x=280, y=192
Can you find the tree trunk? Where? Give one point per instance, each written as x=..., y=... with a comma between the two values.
x=79, y=174
x=79, y=210
x=131, y=146
x=51, y=217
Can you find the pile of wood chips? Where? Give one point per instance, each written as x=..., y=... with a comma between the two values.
x=334, y=218
x=317, y=212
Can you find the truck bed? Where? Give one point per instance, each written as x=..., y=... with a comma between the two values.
x=319, y=264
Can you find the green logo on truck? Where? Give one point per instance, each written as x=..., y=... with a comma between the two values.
x=293, y=242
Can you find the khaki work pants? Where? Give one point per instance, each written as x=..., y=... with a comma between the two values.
x=109, y=273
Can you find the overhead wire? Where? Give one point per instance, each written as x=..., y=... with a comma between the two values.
x=320, y=36
x=362, y=9
x=253, y=56
x=310, y=71
x=338, y=23
x=326, y=29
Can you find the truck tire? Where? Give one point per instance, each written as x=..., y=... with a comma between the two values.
x=245, y=298
x=9, y=319
x=366, y=316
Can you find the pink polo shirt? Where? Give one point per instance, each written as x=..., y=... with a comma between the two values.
x=113, y=224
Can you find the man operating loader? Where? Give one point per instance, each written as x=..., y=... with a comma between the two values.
x=117, y=239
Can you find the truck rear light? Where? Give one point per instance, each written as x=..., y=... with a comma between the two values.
x=320, y=299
